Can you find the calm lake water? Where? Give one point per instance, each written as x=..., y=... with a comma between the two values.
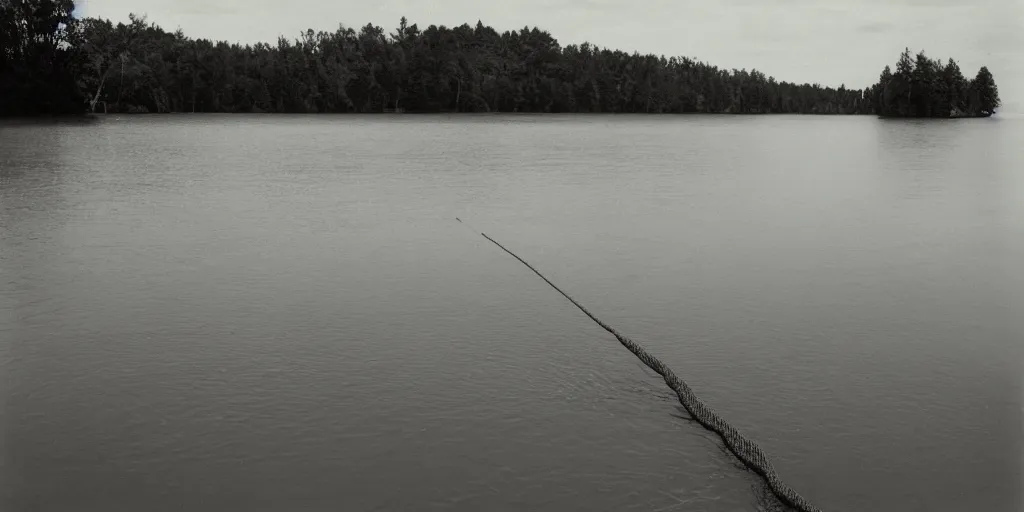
x=266, y=313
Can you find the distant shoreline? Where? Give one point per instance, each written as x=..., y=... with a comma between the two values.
x=139, y=67
x=87, y=118
x=98, y=115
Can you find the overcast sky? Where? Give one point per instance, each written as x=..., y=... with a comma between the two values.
x=826, y=41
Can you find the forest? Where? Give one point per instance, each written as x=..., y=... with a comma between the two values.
x=52, y=63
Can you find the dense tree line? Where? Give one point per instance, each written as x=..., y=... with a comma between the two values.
x=922, y=87
x=439, y=69
x=52, y=62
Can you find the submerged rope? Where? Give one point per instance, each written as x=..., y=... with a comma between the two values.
x=744, y=449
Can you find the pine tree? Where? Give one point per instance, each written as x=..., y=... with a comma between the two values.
x=882, y=106
x=956, y=86
x=905, y=66
x=922, y=85
x=988, y=93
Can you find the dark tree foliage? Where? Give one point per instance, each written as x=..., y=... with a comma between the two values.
x=51, y=63
x=922, y=87
x=38, y=58
x=439, y=69
x=106, y=49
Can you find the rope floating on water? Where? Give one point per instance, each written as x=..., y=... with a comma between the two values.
x=744, y=449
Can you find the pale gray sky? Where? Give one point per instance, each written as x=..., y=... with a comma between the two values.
x=823, y=41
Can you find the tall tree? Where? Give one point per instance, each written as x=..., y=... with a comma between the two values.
x=38, y=58
x=106, y=48
x=988, y=93
x=882, y=105
x=905, y=64
x=956, y=86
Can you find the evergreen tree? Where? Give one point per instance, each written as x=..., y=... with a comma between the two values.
x=905, y=65
x=882, y=106
x=988, y=93
x=930, y=90
x=956, y=86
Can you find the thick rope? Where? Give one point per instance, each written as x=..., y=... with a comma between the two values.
x=744, y=449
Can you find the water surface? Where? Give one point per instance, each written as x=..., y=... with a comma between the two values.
x=256, y=313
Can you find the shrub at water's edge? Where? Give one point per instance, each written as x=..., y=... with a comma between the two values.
x=922, y=87
x=52, y=63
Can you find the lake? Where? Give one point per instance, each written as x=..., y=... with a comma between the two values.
x=267, y=313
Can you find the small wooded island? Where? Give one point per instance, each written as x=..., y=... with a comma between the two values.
x=52, y=63
x=922, y=87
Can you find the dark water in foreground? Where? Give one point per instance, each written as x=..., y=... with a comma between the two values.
x=280, y=313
